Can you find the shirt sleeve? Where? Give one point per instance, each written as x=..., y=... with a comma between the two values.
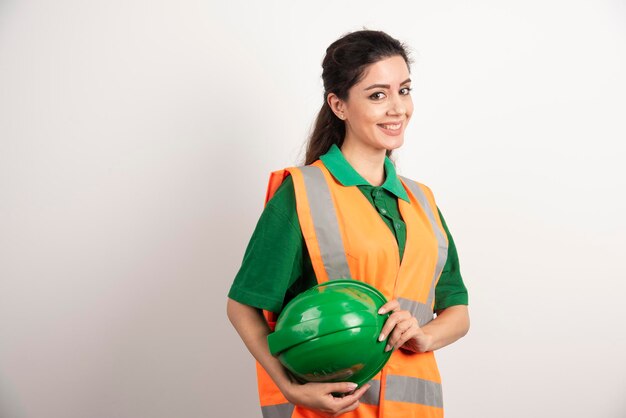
x=272, y=262
x=450, y=289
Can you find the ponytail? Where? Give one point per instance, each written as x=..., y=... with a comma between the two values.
x=328, y=130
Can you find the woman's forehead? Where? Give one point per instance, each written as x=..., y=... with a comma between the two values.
x=391, y=70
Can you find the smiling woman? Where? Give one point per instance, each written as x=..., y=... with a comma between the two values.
x=346, y=214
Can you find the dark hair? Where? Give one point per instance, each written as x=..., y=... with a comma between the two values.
x=343, y=66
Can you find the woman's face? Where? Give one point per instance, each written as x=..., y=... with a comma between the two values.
x=378, y=107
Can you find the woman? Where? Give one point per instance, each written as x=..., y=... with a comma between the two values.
x=367, y=106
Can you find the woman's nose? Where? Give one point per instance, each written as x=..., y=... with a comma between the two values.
x=397, y=105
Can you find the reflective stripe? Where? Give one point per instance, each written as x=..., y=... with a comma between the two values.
x=442, y=254
x=281, y=410
x=422, y=312
x=372, y=395
x=325, y=223
x=413, y=390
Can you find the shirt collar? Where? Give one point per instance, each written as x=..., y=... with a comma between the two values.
x=341, y=170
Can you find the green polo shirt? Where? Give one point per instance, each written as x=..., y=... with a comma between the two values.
x=276, y=265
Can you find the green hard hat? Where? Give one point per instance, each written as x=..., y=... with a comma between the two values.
x=329, y=333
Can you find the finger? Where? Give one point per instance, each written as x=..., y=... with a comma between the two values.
x=392, y=305
x=341, y=387
x=399, y=330
x=356, y=395
x=391, y=323
x=348, y=400
x=361, y=391
x=411, y=333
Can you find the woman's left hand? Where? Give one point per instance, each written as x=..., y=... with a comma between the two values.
x=402, y=330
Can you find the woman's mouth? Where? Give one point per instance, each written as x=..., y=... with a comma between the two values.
x=392, y=129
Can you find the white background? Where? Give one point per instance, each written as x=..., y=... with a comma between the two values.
x=136, y=139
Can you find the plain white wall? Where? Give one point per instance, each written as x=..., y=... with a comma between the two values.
x=136, y=138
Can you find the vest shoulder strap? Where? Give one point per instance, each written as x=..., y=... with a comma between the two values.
x=425, y=198
x=319, y=222
x=276, y=179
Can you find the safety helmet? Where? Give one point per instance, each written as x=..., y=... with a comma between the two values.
x=329, y=333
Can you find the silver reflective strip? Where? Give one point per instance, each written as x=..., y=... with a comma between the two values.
x=422, y=312
x=413, y=390
x=442, y=254
x=372, y=395
x=325, y=223
x=282, y=410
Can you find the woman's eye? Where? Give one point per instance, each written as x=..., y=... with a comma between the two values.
x=405, y=91
x=378, y=95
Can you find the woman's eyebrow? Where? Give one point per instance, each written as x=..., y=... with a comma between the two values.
x=385, y=86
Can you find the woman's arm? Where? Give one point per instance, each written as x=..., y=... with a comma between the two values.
x=451, y=324
x=403, y=330
x=253, y=330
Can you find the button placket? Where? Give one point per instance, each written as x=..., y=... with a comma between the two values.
x=379, y=202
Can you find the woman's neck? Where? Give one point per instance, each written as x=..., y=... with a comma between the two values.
x=369, y=163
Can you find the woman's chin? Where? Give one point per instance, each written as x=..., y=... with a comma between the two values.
x=395, y=144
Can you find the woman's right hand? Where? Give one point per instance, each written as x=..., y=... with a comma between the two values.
x=319, y=396
x=252, y=327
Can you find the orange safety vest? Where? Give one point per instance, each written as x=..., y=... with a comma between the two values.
x=346, y=238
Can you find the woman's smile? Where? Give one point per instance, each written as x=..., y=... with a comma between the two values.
x=392, y=129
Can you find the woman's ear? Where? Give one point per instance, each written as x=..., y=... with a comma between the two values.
x=336, y=105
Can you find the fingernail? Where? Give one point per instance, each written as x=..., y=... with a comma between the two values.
x=352, y=386
x=381, y=311
x=381, y=337
x=388, y=347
